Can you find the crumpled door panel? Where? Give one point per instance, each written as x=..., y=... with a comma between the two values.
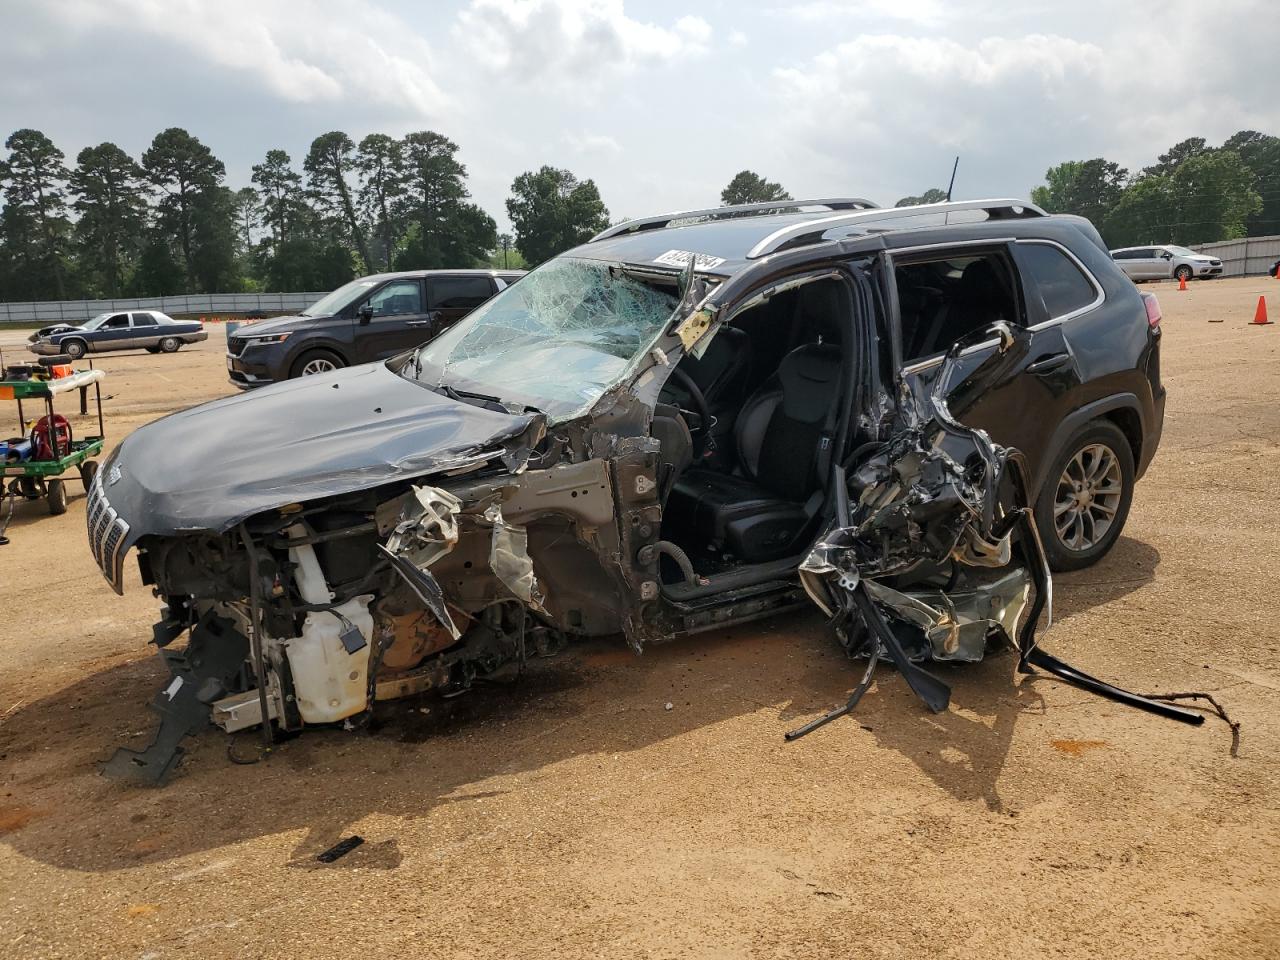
x=924, y=563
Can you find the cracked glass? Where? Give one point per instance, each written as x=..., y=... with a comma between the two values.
x=557, y=340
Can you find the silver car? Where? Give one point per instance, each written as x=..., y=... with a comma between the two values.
x=1165, y=263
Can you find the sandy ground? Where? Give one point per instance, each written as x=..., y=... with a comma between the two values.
x=573, y=815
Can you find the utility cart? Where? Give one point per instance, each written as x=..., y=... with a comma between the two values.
x=35, y=460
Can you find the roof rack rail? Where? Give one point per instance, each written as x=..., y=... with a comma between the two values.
x=789, y=235
x=734, y=210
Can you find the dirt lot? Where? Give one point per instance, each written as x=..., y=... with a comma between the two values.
x=573, y=815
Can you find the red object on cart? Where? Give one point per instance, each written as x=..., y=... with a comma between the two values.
x=40, y=438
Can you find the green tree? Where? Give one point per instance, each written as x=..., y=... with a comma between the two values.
x=380, y=160
x=158, y=273
x=749, y=187
x=507, y=256
x=246, y=218
x=1207, y=197
x=112, y=209
x=1144, y=213
x=1261, y=154
x=1213, y=198
x=214, y=242
x=33, y=177
x=932, y=195
x=186, y=172
x=1176, y=155
x=551, y=211
x=450, y=231
x=328, y=163
x=1087, y=188
x=280, y=193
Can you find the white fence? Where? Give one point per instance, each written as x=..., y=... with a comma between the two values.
x=77, y=311
x=1240, y=258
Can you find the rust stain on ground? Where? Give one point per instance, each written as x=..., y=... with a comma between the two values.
x=1076, y=747
x=142, y=910
x=15, y=818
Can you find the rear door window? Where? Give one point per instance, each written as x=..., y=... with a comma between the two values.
x=144, y=320
x=946, y=296
x=458, y=293
x=1063, y=285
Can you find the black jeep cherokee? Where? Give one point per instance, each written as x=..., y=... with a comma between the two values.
x=690, y=421
x=367, y=319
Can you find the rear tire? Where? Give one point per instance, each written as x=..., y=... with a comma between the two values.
x=1086, y=496
x=88, y=470
x=316, y=361
x=56, y=494
x=169, y=344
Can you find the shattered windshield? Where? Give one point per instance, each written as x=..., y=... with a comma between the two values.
x=344, y=296
x=557, y=340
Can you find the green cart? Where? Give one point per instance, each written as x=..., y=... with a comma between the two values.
x=33, y=479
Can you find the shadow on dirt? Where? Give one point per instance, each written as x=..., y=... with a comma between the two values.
x=596, y=698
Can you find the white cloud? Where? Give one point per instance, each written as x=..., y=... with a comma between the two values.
x=596, y=143
x=309, y=51
x=566, y=39
x=892, y=109
x=737, y=38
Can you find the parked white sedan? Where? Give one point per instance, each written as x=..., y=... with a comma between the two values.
x=1165, y=263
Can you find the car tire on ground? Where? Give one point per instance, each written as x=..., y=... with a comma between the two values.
x=88, y=470
x=169, y=344
x=75, y=349
x=1182, y=273
x=153, y=349
x=316, y=361
x=1086, y=496
x=56, y=494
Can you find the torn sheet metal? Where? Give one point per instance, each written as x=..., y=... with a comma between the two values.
x=428, y=529
x=925, y=506
x=510, y=561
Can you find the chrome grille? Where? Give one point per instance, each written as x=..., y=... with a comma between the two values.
x=107, y=531
x=236, y=345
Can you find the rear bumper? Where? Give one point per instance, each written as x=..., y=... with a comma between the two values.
x=1154, y=429
x=195, y=337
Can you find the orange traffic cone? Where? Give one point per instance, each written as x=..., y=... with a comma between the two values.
x=1260, y=315
x=1182, y=283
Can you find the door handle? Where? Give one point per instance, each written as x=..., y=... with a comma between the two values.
x=417, y=323
x=1049, y=363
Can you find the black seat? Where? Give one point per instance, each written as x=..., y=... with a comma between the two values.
x=758, y=513
x=979, y=299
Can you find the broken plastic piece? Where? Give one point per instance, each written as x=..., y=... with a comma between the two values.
x=340, y=849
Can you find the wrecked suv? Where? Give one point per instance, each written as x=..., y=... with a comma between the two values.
x=905, y=416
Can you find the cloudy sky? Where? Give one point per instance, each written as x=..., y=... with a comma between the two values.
x=659, y=102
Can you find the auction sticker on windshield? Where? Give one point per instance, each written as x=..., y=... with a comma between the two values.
x=680, y=258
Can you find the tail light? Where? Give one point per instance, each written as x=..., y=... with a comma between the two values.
x=1153, y=311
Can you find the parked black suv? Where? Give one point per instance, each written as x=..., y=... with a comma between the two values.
x=690, y=421
x=367, y=319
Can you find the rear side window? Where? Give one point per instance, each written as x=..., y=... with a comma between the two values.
x=144, y=320
x=458, y=293
x=944, y=298
x=1062, y=284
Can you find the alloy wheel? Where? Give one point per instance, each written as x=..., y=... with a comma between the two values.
x=1088, y=497
x=318, y=365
